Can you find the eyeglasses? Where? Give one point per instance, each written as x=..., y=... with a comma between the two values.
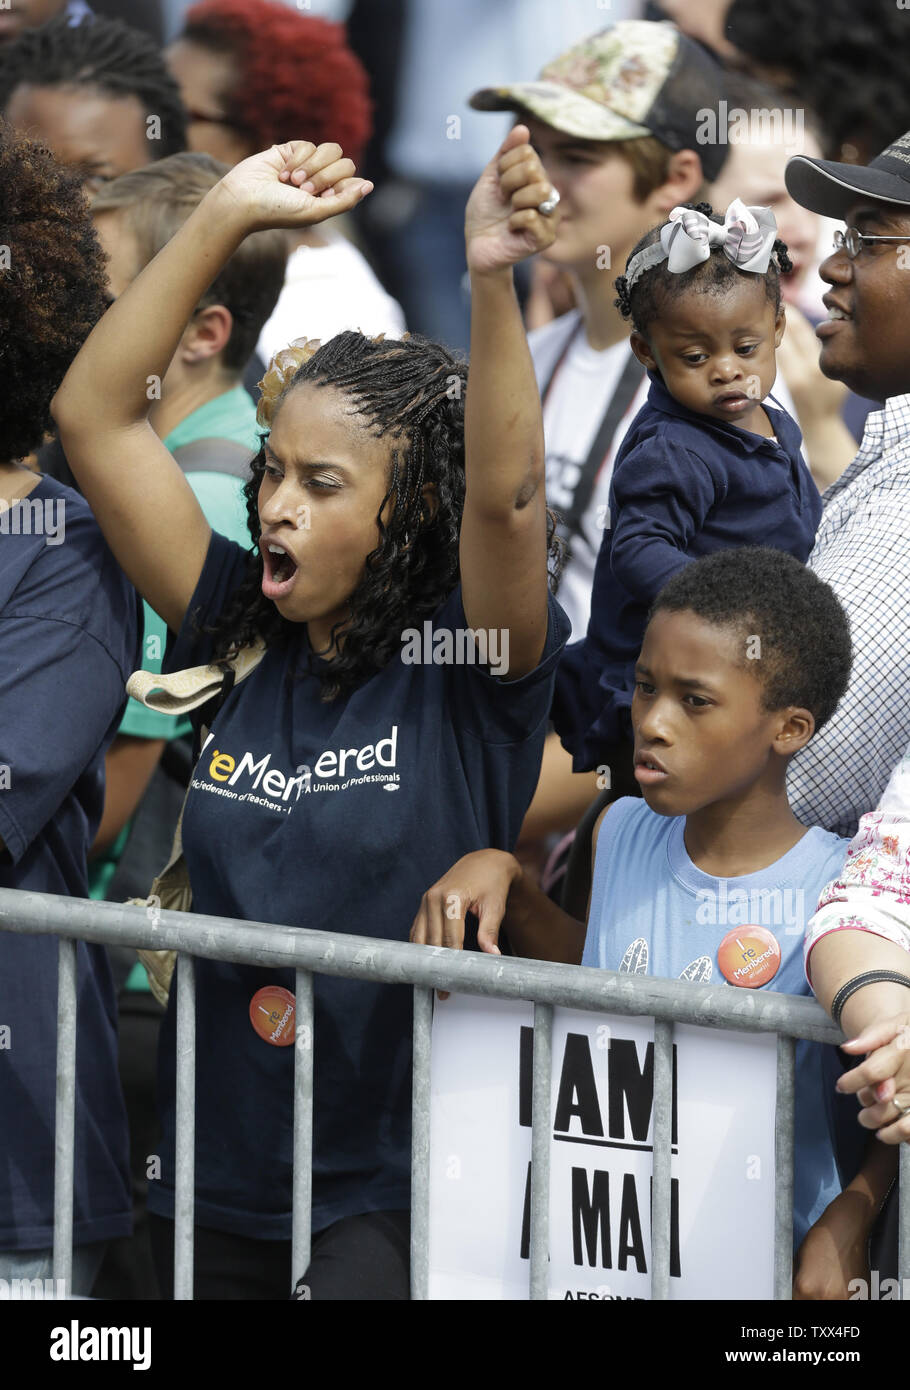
x=209, y=118
x=852, y=241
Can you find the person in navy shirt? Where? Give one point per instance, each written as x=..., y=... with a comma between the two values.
x=392, y=510
x=69, y=635
x=706, y=464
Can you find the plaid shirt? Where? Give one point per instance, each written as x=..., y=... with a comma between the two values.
x=862, y=549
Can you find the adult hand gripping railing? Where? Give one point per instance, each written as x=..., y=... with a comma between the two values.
x=543, y=983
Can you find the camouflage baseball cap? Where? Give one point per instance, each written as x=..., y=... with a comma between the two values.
x=633, y=79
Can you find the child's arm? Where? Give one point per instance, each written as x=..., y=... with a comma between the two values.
x=146, y=508
x=660, y=498
x=503, y=550
x=834, y=1252
x=493, y=885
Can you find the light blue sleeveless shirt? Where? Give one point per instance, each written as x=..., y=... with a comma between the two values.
x=653, y=912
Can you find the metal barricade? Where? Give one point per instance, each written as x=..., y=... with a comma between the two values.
x=426, y=968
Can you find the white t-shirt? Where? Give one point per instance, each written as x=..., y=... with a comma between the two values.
x=577, y=402
x=328, y=289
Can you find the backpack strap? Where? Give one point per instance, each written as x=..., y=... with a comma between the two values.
x=623, y=395
x=572, y=522
x=215, y=456
x=183, y=691
x=177, y=694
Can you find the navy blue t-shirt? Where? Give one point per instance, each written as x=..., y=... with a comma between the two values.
x=69, y=634
x=684, y=485
x=418, y=766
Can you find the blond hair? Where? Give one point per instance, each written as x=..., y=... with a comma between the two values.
x=156, y=200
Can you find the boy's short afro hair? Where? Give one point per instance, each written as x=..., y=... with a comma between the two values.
x=804, y=653
x=53, y=286
x=297, y=78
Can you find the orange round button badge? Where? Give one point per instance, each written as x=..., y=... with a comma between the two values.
x=272, y=1015
x=749, y=956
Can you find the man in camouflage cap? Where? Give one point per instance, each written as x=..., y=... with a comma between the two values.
x=633, y=80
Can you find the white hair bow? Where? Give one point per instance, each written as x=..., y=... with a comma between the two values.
x=746, y=237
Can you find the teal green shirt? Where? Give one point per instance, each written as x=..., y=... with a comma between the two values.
x=229, y=416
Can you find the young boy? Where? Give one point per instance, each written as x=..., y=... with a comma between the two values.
x=745, y=655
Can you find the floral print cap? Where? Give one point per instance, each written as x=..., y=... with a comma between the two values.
x=632, y=79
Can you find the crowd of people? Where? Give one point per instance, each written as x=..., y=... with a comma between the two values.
x=668, y=488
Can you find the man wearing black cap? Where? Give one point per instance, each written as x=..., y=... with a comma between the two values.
x=862, y=548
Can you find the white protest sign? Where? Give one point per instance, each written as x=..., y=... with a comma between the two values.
x=600, y=1157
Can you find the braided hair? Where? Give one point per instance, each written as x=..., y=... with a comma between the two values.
x=644, y=301
x=411, y=391
x=102, y=53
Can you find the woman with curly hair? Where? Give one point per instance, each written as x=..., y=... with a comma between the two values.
x=252, y=70
x=399, y=582
x=252, y=73
x=69, y=632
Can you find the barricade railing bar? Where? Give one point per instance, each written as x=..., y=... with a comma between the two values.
x=426, y=968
